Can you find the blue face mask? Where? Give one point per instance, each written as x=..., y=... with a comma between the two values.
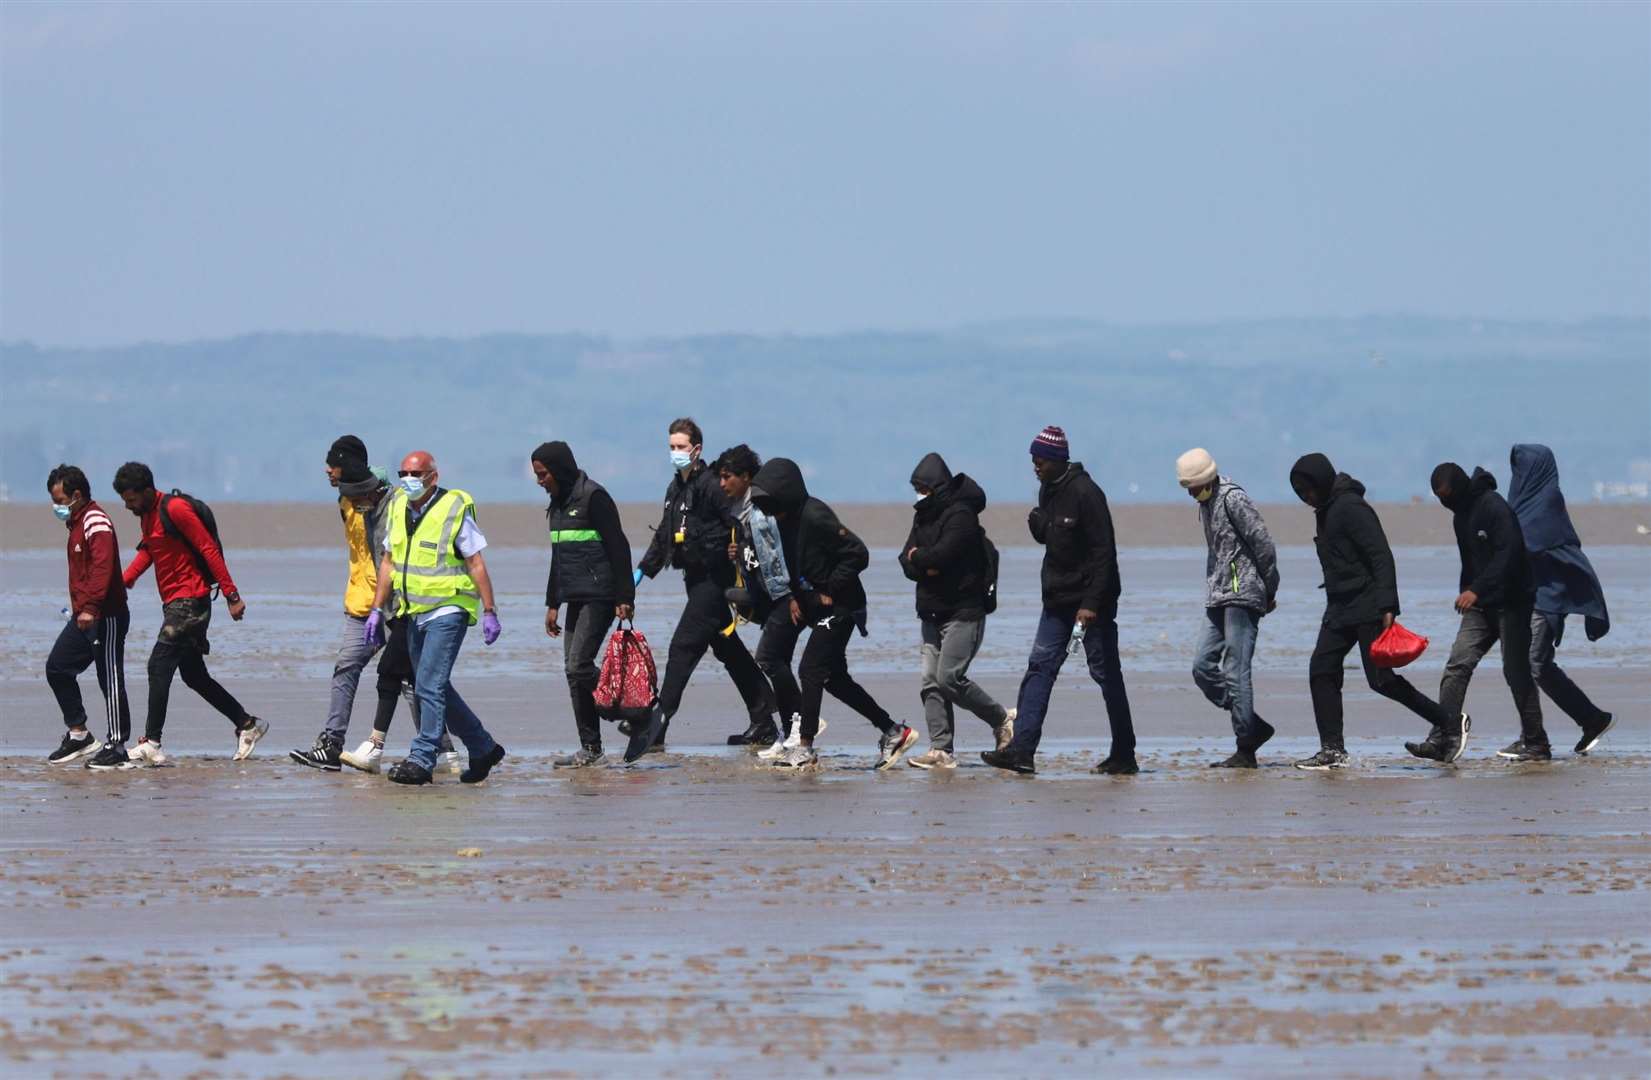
x=64, y=513
x=681, y=459
x=413, y=486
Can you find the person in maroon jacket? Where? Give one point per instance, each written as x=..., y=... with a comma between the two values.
x=95, y=633
x=173, y=537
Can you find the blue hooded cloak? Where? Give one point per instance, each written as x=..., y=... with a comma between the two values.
x=1565, y=580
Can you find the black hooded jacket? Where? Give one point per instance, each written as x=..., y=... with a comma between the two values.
x=947, y=535
x=1495, y=566
x=1080, y=558
x=697, y=510
x=824, y=557
x=1360, y=579
x=583, y=569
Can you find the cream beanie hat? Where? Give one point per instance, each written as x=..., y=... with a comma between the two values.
x=1195, y=468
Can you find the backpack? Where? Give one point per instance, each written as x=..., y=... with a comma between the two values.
x=202, y=511
x=628, y=686
x=989, y=555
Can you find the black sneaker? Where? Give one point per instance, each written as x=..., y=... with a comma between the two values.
x=1427, y=749
x=1593, y=733
x=1009, y=760
x=1520, y=750
x=478, y=770
x=1117, y=767
x=112, y=756
x=760, y=733
x=323, y=755
x=1325, y=760
x=1267, y=732
x=73, y=748
x=646, y=738
x=583, y=758
x=1453, y=738
x=408, y=772
x=1242, y=759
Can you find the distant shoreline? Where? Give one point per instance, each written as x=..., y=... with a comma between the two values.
x=299, y=525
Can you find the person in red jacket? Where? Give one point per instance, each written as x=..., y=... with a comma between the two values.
x=173, y=538
x=95, y=633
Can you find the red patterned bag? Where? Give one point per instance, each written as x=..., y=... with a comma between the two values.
x=628, y=686
x=1396, y=647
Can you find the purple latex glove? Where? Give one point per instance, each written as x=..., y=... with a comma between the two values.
x=490, y=628
x=372, y=635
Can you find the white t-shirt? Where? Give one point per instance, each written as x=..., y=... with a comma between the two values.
x=468, y=542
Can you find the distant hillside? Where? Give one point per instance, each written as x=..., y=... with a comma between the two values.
x=1387, y=398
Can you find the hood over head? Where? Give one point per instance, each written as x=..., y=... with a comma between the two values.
x=1450, y=483
x=778, y=486
x=1538, y=503
x=932, y=473
x=1316, y=474
x=557, y=458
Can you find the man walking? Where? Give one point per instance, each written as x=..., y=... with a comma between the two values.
x=1241, y=583
x=945, y=554
x=95, y=633
x=763, y=593
x=1080, y=606
x=434, y=568
x=590, y=572
x=1361, y=599
x=188, y=565
x=1565, y=585
x=1495, y=605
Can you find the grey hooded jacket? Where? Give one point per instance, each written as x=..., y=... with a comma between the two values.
x=1242, y=565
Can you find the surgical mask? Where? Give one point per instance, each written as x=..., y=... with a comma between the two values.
x=64, y=513
x=681, y=459
x=413, y=486
x=1206, y=495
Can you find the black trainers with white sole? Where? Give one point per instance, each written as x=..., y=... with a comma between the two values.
x=73, y=748
x=1521, y=750
x=1593, y=733
x=324, y=755
x=1325, y=760
x=112, y=756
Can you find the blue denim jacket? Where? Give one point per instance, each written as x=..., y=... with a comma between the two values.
x=768, y=556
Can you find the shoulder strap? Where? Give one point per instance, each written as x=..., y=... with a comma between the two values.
x=1239, y=533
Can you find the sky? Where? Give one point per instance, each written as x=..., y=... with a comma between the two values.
x=178, y=172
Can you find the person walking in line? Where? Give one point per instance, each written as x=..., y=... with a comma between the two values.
x=1495, y=603
x=1565, y=584
x=1241, y=586
x=95, y=633
x=1361, y=599
x=433, y=567
x=763, y=596
x=1080, y=607
x=590, y=572
x=188, y=564
x=825, y=560
x=945, y=554
x=692, y=535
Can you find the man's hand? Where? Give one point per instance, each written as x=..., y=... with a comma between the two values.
x=1085, y=616
x=824, y=599
x=796, y=613
x=237, y=608
x=932, y=572
x=552, y=627
x=624, y=612
x=372, y=631
x=1466, y=601
x=733, y=553
x=85, y=620
x=1387, y=619
x=1272, y=605
x=490, y=628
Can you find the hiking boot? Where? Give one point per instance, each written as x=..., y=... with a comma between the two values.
x=1112, y=766
x=582, y=758
x=148, y=755
x=1004, y=733
x=480, y=767
x=365, y=757
x=1325, y=760
x=1009, y=760
x=761, y=733
x=1593, y=733
x=891, y=746
x=645, y=736
x=1520, y=750
x=324, y=755
x=247, y=737
x=798, y=757
x=933, y=759
x=112, y=756
x=73, y=748
x=408, y=772
x=1241, y=759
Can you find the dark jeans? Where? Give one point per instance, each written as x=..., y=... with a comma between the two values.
x=1553, y=681
x=583, y=635
x=181, y=649
x=774, y=652
x=703, y=619
x=1324, y=680
x=824, y=669
x=1221, y=667
x=1100, y=645
x=1481, y=628
x=103, y=645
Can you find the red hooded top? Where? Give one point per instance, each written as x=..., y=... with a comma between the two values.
x=176, y=575
x=95, y=585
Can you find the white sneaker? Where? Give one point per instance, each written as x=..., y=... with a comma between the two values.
x=1004, y=733
x=365, y=757
x=448, y=762
x=798, y=757
x=248, y=737
x=933, y=759
x=791, y=742
x=148, y=755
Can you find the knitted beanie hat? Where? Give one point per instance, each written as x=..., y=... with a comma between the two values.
x=1195, y=468
x=1051, y=444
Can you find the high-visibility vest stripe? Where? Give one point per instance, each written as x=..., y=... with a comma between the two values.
x=574, y=536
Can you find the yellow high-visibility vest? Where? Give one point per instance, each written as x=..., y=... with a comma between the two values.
x=429, y=574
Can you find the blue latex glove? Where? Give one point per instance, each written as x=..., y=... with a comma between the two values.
x=372, y=635
x=490, y=628
x=636, y=576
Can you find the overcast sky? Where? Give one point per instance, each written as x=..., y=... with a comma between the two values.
x=177, y=172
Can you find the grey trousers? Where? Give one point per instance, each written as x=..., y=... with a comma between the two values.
x=353, y=655
x=1551, y=679
x=948, y=649
x=1482, y=628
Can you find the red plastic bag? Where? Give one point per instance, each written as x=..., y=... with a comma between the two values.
x=628, y=686
x=1396, y=647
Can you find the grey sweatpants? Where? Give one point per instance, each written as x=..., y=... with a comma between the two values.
x=948, y=649
x=352, y=657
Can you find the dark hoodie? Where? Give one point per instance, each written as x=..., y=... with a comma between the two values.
x=583, y=568
x=824, y=557
x=1360, y=580
x=1564, y=579
x=947, y=535
x=1080, y=558
x=1494, y=565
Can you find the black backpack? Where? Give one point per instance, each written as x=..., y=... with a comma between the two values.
x=989, y=556
x=204, y=512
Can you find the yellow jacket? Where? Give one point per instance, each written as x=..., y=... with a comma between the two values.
x=363, y=581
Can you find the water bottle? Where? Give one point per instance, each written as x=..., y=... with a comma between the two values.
x=66, y=613
x=1075, y=646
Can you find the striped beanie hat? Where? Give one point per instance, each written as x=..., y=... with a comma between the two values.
x=1051, y=444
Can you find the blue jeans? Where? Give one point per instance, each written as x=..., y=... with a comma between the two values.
x=434, y=647
x=1100, y=646
x=1221, y=667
